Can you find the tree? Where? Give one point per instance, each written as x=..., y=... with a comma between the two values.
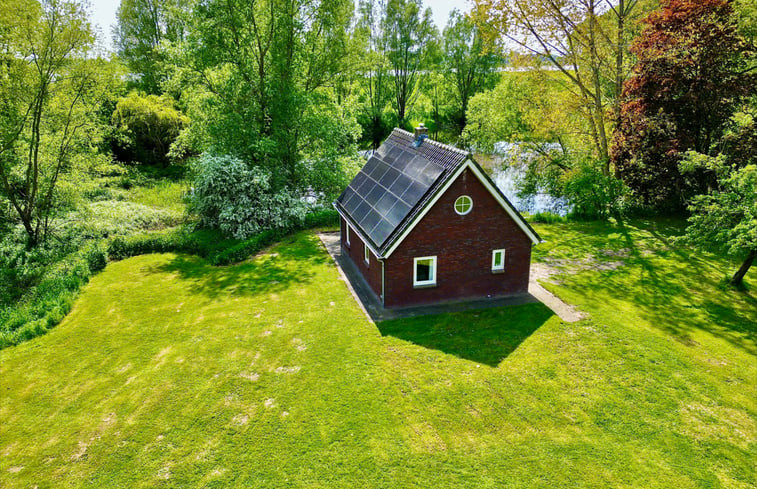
x=585, y=41
x=147, y=126
x=408, y=30
x=375, y=68
x=265, y=66
x=725, y=220
x=51, y=89
x=691, y=75
x=469, y=62
x=142, y=28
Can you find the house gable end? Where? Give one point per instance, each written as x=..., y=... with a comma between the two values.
x=472, y=167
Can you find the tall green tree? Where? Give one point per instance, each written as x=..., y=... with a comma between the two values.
x=50, y=92
x=469, y=61
x=692, y=74
x=725, y=219
x=409, y=30
x=375, y=68
x=585, y=42
x=266, y=65
x=142, y=28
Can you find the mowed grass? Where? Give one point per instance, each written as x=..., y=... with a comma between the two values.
x=173, y=373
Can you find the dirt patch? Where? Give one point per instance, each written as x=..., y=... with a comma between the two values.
x=266, y=333
x=252, y=376
x=80, y=453
x=16, y=469
x=288, y=370
x=240, y=420
x=164, y=473
x=269, y=403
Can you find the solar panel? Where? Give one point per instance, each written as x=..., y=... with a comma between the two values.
x=387, y=188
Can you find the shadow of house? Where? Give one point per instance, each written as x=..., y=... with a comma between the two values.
x=483, y=336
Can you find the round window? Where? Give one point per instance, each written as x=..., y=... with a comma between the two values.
x=463, y=205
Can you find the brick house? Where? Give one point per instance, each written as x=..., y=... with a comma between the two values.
x=424, y=223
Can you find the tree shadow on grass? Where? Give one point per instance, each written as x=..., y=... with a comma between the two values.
x=485, y=336
x=673, y=287
x=290, y=264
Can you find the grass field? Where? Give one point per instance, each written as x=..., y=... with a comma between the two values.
x=169, y=372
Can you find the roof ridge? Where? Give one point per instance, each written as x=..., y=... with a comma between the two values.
x=448, y=147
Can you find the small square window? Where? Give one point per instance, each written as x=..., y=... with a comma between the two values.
x=424, y=271
x=366, y=256
x=498, y=260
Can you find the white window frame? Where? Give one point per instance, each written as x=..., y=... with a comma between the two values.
x=469, y=208
x=424, y=283
x=501, y=267
x=347, y=235
x=366, y=255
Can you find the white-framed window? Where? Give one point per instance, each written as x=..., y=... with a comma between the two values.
x=424, y=271
x=366, y=255
x=463, y=205
x=347, y=235
x=498, y=260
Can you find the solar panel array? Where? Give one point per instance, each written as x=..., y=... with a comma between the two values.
x=388, y=187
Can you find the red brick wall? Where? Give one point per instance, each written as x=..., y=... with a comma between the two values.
x=372, y=271
x=463, y=246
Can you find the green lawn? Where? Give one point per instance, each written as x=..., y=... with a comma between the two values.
x=171, y=372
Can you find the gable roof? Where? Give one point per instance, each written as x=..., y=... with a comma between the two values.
x=399, y=182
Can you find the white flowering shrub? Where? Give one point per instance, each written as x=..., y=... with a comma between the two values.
x=238, y=199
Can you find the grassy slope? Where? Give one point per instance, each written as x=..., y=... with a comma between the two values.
x=171, y=372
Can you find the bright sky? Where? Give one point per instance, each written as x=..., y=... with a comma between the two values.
x=104, y=15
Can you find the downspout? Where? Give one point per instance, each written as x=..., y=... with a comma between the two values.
x=383, y=292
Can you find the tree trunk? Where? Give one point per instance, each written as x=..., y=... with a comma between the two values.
x=738, y=277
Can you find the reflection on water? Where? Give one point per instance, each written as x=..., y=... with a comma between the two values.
x=509, y=167
x=506, y=180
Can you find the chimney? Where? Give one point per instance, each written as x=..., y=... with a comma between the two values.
x=421, y=130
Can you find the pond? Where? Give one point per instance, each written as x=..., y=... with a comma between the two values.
x=506, y=179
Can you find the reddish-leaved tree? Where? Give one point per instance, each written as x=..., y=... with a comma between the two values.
x=690, y=76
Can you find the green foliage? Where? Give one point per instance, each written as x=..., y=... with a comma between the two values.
x=265, y=68
x=146, y=128
x=725, y=220
x=410, y=33
x=45, y=305
x=593, y=194
x=52, y=90
x=546, y=218
x=469, y=61
x=239, y=200
x=143, y=31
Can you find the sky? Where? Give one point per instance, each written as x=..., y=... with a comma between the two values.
x=104, y=15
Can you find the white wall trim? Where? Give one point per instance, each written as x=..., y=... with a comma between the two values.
x=492, y=190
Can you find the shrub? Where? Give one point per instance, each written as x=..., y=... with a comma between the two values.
x=239, y=200
x=547, y=218
x=146, y=127
x=97, y=257
x=593, y=194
